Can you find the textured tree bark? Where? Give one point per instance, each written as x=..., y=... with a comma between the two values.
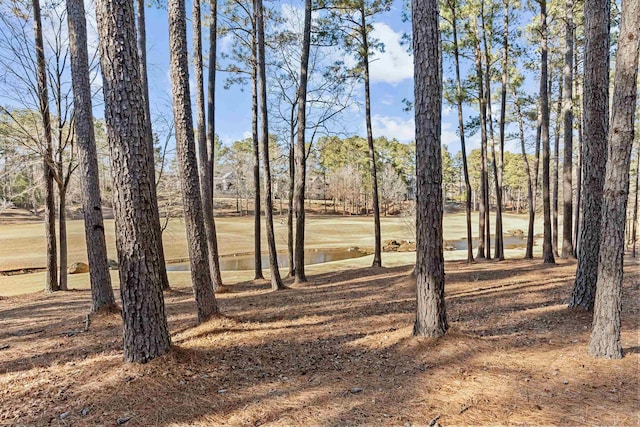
x=51, y=283
x=102, y=297
x=556, y=166
x=605, y=335
x=187, y=163
x=301, y=151
x=377, y=249
x=431, y=316
x=567, y=114
x=547, y=247
x=595, y=113
x=276, y=280
x=452, y=7
x=146, y=335
x=204, y=165
x=142, y=53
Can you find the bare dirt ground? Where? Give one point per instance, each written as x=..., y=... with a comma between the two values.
x=337, y=351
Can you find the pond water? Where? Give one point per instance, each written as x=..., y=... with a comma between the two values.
x=510, y=242
x=245, y=262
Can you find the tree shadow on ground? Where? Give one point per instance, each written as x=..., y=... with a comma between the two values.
x=336, y=351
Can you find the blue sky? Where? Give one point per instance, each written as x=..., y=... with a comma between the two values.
x=391, y=72
x=391, y=76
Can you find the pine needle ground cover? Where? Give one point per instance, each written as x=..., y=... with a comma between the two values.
x=336, y=351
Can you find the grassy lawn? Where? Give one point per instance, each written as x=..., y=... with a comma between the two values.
x=22, y=244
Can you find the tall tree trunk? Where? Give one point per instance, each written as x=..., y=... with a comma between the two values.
x=292, y=178
x=431, y=316
x=530, y=181
x=595, y=113
x=483, y=210
x=142, y=53
x=567, y=113
x=547, y=248
x=503, y=112
x=556, y=166
x=102, y=297
x=536, y=170
x=257, y=251
x=487, y=75
x=204, y=165
x=51, y=283
x=301, y=150
x=211, y=138
x=467, y=184
x=377, y=250
x=62, y=237
x=188, y=164
x=634, y=227
x=276, y=280
x=146, y=334
x=578, y=202
x=605, y=336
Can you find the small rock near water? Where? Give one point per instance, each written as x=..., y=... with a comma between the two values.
x=78, y=267
x=406, y=246
x=399, y=246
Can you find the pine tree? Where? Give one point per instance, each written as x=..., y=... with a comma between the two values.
x=595, y=119
x=102, y=297
x=605, y=335
x=431, y=317
x=146, y=334
x=187, y=163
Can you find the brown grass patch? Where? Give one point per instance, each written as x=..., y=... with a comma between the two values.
x=335, y=351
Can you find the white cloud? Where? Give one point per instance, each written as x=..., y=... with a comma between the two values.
x=387, y=100
x=404, y=130
x=449, y=137
x=393, y=127
x=225, y=43
x=393, y=65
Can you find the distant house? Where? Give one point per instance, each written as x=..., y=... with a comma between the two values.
x=225, y=183
x=316, y=187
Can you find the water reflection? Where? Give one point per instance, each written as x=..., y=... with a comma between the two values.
x=245, y=262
